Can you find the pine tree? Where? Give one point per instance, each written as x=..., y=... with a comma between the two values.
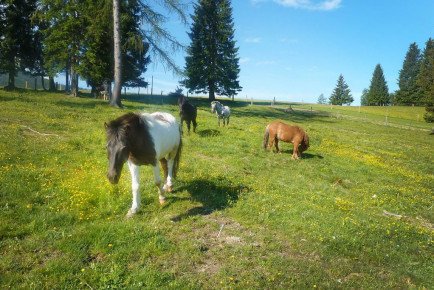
x=364, y=98
x=63, y=41
x=378, y=91
x=425, y=80
x=154, y=34
x=96, y=65
x=322, y=99
x=212, y=63
x=341, y=94
x=17, y=40
x=409, y=90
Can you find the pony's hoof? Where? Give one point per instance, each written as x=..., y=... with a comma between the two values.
x=168, y=188
x=162, y=201
x=130, y=213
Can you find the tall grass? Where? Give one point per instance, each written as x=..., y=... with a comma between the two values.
x=355, y=212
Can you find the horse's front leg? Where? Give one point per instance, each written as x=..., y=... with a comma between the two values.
x=295, y=151
x=135, y=178
x=157, y=181
x=223, y=121
x=218, y=119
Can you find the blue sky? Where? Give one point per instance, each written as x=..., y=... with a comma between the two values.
x=295, y=50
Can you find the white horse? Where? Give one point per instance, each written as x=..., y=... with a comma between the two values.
x=222, y=112
x=144, y=139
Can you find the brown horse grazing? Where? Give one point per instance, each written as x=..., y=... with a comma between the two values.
x=291, y=134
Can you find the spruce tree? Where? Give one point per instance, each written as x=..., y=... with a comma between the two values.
x=364, y=98
x=409, y=90
x=17, y=40
x=425, y=80
x=341, y=94
x=378, y=90
x=322, y=100
x=212, y=62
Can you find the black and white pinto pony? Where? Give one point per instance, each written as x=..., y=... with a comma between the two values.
x=187, y=113
x=144, y=139
x=222, y=112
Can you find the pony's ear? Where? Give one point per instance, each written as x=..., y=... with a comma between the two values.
x=106, y=125
x=127, y=128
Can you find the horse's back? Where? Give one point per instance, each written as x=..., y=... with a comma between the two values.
x=164, y=129
x=226, y=111
x=285, y=132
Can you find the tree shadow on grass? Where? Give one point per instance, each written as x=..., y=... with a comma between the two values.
x=208, y=133
x=213, y=195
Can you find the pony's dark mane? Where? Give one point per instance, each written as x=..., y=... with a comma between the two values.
x=132, y=129
x=117, y=127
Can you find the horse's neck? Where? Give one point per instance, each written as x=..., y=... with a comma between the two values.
x=140, y=143
x=219, y=108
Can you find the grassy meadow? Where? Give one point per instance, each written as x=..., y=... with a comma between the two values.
x=355, y=212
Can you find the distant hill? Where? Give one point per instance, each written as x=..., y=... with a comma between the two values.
x=21, y=79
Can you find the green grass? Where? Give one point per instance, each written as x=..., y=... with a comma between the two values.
x=239, y=217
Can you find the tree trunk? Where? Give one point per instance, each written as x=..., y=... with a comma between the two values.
x=43, y=83
x=115, y=100
x=67, y=79
x=52, y=87
x=211, y=95
x=74, y=82
x=11, y=79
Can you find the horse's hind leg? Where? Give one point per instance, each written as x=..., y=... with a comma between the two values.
x=181, y=125
x=157, y=181
x=271, y=143
x=163, y=163
x=188, y=125
x=194, y=125
x=227, y=122
x=135, y=177
x=276, y=144
x=168, y=186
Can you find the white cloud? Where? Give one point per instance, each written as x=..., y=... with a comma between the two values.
x=288, y=40
x=244, y=60
x=325, y=5
x=253, y=40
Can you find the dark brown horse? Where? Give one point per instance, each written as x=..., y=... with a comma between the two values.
x=187, y=113
x=291, y=134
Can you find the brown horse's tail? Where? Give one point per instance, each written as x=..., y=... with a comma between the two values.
x=177, y=158
x=266, y=137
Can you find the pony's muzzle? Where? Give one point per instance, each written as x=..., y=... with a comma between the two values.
x=113, y=176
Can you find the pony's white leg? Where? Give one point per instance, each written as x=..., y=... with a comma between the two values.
x=157, y=181
x=169, y=181
x=135, y=178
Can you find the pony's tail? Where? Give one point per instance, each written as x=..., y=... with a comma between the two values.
x=266, y=137
x=177, y=158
